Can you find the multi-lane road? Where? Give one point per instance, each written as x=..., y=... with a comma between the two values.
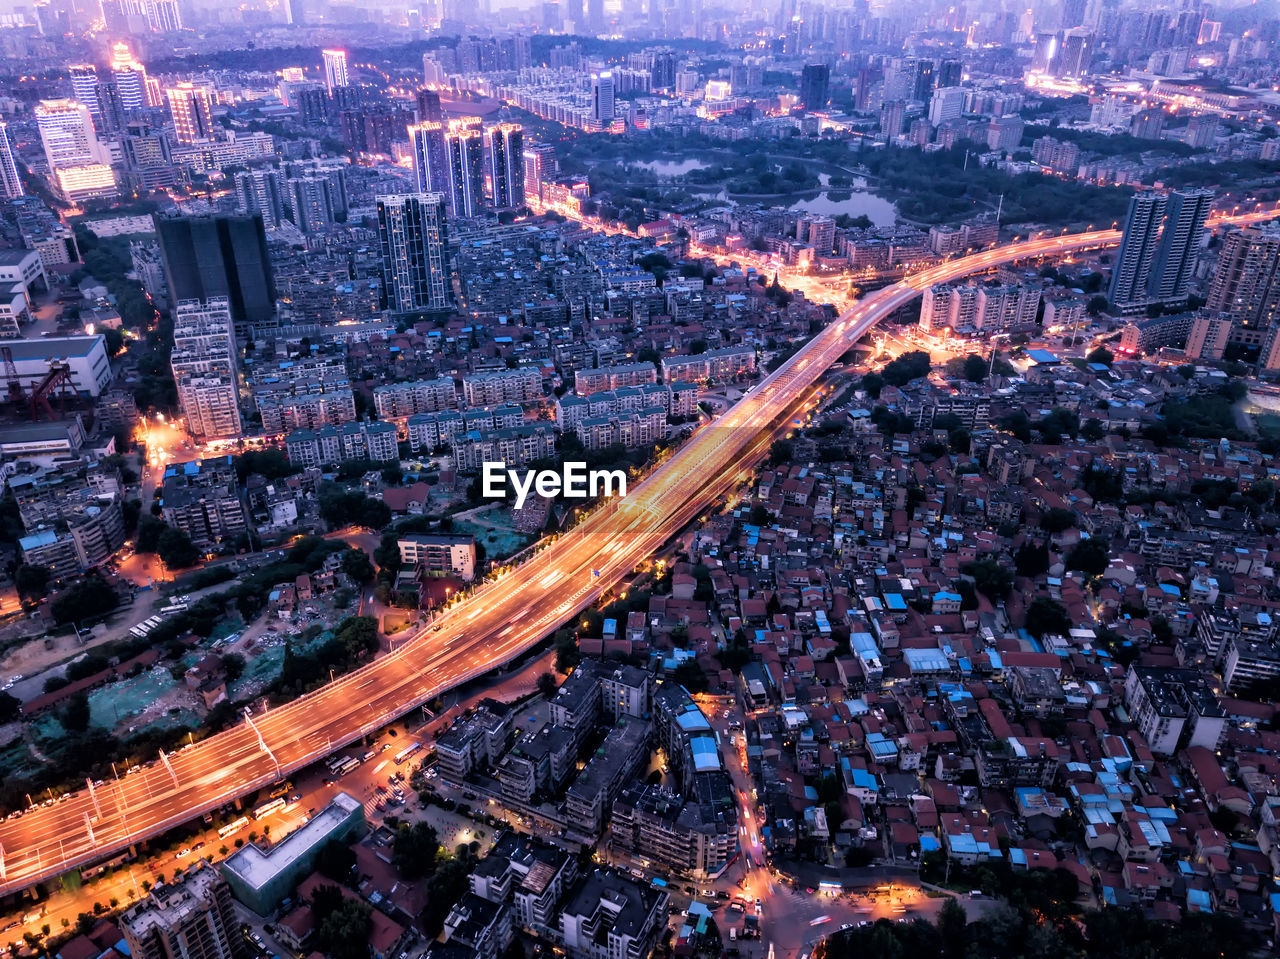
x=502, y=620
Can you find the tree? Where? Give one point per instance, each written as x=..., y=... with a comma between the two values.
x=952, y=929
x=343, y=932
x=907, y=367
x=1057, y=519
x=356, y=564
x=991, y=578
x=873, y=383
x=175, y=549
x=975, y=368
x=88, y=597
x=149, y=530
x=1101, y=355
x=335, y=861
x=32, y=581
x=233, y=666
x=1046, y=616
x=1093, y=430
x=1096, y=305
x=1090, y=556
x=10, y=707
x=75, y=715
x=415, y=850
x=547, y=685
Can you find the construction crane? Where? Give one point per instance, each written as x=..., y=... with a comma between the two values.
x=16, y=395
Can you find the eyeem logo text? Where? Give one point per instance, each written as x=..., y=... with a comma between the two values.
x=574, y=481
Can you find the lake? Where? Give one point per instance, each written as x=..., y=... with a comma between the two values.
x=671, y=167
x=878, y=210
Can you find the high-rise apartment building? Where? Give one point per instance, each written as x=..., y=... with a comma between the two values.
x=506, y=162
x=190, y=918
x=815, y=86
x=335, y=70
x=311, y=200
x=947, y=103
x=539, y=168
x=220, y=256
x=1132, y=266
x=1246, y=283
x=413, y=238
x=258, y=191
x=465, y=148
x=430, y=165
x=191, y=107
x=164, y=16
x=10, y=182
x=204, y=368
x=1175, y=259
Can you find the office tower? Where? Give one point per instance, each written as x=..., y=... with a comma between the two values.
x=66, y=130
x=539, y=168
x=429, y=109
x=950, y=73
x=111, y=118
x=893, y=115
x=1246, y=283
x=10, y=181
x=466, y=170
x=130, y=77
x=815, y=86
x=258, y=191
x=1075, y=54
x=1175, y=258
x=164, y=16
x=192, y=110
x=191, y=918
x=430, y=166
x=947, y=103
x=335, y=70
x=506, y=161
x=1045, y=56
x=575, y=16
x=602, y=97
x=84, y=87
x=1132, y=268
x=311, y=200
x=413, y=238
x=922, y=80
x=220, y=256
x=595, y=16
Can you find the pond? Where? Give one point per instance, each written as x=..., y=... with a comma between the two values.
x=671, y=167
x=855, y=203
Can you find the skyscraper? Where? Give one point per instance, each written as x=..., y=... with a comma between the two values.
x=1175, y=257
x=539, y=168
x=1132, y=269
x=1246, y=283
x=220, y=256
x=164, y=16
x=66, y=130
x=192, y=110
x=84, y=87
x=258, y=191
x=311, y=200
x=465, y=149
x=595, y=16
x=429, y=109
x=506, y=161
x=335, y=70
x=130, y=77
x=413, y=238
x=10, y=181
x=815, y=86
x=430, y=166
x=602, y=97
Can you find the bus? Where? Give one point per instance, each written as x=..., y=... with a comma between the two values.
x=269, y=807
x=233, y=827
x=819, y=921
x=408, y=751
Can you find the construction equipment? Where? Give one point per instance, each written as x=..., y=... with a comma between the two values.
x=16, y=395
x=58, y=377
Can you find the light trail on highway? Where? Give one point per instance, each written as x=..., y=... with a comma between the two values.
x=501, y=621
